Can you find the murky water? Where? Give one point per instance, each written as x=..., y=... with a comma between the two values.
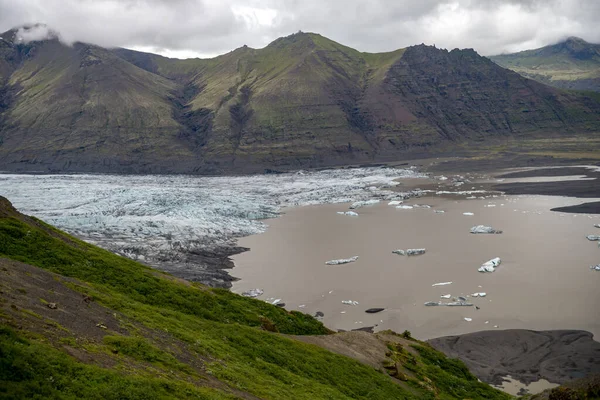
x=544, y=281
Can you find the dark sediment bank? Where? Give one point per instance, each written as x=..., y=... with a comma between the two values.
x=204, y=266
x=528, y=356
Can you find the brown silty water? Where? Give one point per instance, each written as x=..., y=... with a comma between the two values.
x=544, y=281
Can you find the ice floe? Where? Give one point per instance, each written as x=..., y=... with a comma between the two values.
x=484, y=229
x=395, y=202
x=446, y=296
x=359, y=204
x=468, y=319
x=469, y=214
x=349, y=213
x=593, y=238
x=404, y=207
x=595, y=267
x=490, y=266
x=442, y=284
x=253, y=293
x=479, y=294
x=342, y=261
x=409, y=252
x=350, y=302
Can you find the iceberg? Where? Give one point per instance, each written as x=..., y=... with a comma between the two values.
x=422, y=206
x=350, y=213
x=596, y=225
x=350, y=302
x=485, y=229
x=593, y=238
x=433, y=303
x=415, y=252
x=394, y=202
x=459, y=304
x=468, y=214
x=404, y=207
x=468, y=319
x=439, y=211
x=490, y=266
x=342, y=261
x=446, y=296
x=399, y=252
x=359, y=204
x=253, y=293
x=595, y=267
x=479, y=294
x=442, y=284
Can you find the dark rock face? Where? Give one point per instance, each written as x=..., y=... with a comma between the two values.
x=321, y=104
x=557, y=356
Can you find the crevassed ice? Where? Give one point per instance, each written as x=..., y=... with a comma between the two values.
x=161, y=217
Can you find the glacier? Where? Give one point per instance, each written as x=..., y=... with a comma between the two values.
x=174, y=222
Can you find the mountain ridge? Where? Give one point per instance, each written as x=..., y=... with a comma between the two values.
x=302, y=101
x=570, y=64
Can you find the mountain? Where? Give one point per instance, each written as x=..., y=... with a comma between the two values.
x=80, y=322
x=302, y=101
x=571, y=64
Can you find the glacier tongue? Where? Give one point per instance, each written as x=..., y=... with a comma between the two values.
x=161, y=219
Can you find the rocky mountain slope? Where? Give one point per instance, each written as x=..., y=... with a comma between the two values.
x=302, y=101
x=77, y=321
x=571, y=64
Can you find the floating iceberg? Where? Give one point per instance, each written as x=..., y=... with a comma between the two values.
x=433, y=303
x=350, y=302
x=593, y=238
x=359, y=204
x=350, y=213
x=253, y=293
x=342, y=261
x=595, y=267
x=468, y=214
x=490, y=266
x=404, y=207
x=490, y=205
x=480, y=294
x=468, y=319
x=485, y=229
x=422, y=206
x=446, y=296
x=596, y=225
x=459, y=304
x=395, y=202
x=415, y=252
x=439, y=211
x=442, y=284
x=399, y=252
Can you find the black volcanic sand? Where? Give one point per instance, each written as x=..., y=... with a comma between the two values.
x=557, y=356
x=583, y=188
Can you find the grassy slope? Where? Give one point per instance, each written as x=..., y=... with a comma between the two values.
x=214, y=328
x=559, y=65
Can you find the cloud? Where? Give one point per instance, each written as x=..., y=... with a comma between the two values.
x=211, y=27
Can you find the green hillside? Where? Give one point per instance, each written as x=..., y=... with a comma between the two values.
x=77, y=321
x=572, y=64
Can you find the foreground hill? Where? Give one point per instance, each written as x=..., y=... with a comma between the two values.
x=571, y=64
x=77, y=321
x=302, y=101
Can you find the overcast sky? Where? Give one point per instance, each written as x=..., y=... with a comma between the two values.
x=204, y=28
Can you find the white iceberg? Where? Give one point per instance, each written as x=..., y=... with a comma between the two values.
x=461, y=303
x=422, y=206
x=350, y=213
x=490, y=205
x=490, y=266
x=439, y=211
x=359, y=204
x=593, y=238
x=399, y=252
x=350, y=302
x=404, y=207
x=276, y=301
x=446, y=296
x=485, y=229
x=253, y=293
x=468, y=319
x=342, y=261
x=595, y=267
x=395, y=202
x=468, y=214
x=596, y=225
x=433, y=303
x=442, y=284
x=479, y=294
x=415, y=252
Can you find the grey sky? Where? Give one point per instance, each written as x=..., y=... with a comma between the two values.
x=183, y=28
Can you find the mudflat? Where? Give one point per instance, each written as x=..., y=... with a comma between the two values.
x=543, y=283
